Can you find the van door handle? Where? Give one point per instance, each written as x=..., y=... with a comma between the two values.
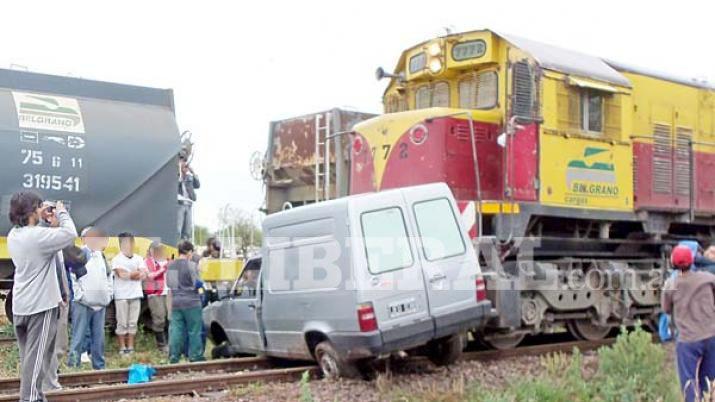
x=252, y=306
x=437, y=277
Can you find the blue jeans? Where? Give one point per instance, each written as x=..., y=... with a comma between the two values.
x=85, y=319
x=696, y=366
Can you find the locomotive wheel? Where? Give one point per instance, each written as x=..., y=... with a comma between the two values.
x=571, y=327
x=503, y=341
x=586, y=330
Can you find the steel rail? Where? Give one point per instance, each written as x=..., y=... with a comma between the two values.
x=186, y=386
x=564, y=347
x=222, y=381
x=114, y=376
x=4, y=341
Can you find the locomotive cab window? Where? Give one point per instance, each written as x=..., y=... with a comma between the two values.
x=592, y=111
x=479, y=91
x=436, y=95
x=422, y=97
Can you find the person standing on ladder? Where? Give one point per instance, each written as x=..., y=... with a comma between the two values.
x=188, y=183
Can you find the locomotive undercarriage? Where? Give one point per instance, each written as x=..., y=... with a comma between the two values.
x=584, y=276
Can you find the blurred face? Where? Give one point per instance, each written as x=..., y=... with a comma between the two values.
x=159, y=253
x=95, y=242
x=126, y=245
x=710, y=253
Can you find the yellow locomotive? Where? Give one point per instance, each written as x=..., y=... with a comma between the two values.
x=598, y=165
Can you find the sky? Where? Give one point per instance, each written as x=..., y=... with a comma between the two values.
x=235, y=66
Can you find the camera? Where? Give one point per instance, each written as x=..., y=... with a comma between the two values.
x=49, y=206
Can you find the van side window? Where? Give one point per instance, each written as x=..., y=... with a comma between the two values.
x=439, y=229
x=386, y=244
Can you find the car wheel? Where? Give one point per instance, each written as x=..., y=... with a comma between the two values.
x=445, y=351
x=332, y=364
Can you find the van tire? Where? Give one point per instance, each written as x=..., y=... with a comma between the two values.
x=332, y=364
x=445, y=351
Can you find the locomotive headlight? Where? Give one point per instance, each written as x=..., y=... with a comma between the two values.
x=435, y=49
x=435, y=66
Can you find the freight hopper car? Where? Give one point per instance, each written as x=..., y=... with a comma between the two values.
x=579, y=172
x=107, y=150
x=307, y=159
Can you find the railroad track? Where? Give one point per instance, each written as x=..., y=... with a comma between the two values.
x=215, y=382
x=5, y=341
x=115, y=376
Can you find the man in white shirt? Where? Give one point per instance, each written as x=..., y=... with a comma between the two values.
x=129, y=272
x=92, y=293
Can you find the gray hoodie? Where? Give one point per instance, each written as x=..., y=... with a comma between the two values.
x=33, y=250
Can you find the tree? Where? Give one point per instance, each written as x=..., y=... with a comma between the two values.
x=201, y=234
x=239, y=230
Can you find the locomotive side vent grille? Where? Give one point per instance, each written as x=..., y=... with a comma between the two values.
x=523, y=90
x=461, y=132
x=683, y=136
x=662, y=159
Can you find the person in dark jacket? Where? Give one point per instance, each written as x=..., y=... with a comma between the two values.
x=186, y=321
x=188, y=183
x=690, y=298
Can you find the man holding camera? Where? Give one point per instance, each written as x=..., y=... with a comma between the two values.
x=36, y=288
x=188, y=183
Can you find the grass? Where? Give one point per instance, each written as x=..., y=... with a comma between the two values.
x=145, y=351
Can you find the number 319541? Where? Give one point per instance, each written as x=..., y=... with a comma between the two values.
x=51, y=182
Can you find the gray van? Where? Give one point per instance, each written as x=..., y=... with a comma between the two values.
x=346, y=281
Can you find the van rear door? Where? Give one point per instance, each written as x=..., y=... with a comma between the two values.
x=448, y=259
x=387, y=270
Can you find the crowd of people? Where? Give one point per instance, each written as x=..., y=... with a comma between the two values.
x=62, y=289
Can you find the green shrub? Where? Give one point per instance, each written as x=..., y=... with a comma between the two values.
x=635, y=369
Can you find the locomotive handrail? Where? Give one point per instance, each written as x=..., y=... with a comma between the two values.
x=475, y=159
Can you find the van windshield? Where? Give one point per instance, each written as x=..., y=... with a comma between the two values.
x=386, y=244
x=439, y=229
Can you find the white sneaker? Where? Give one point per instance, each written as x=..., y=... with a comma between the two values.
x=84, y=358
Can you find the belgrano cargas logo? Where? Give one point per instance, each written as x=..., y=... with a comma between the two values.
x=48, y=112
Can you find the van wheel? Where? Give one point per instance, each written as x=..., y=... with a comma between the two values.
x=332, y=364
x=445, y=351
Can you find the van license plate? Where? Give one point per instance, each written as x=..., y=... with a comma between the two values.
x=402, y=307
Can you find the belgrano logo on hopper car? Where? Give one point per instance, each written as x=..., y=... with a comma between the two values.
x=48, y=112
